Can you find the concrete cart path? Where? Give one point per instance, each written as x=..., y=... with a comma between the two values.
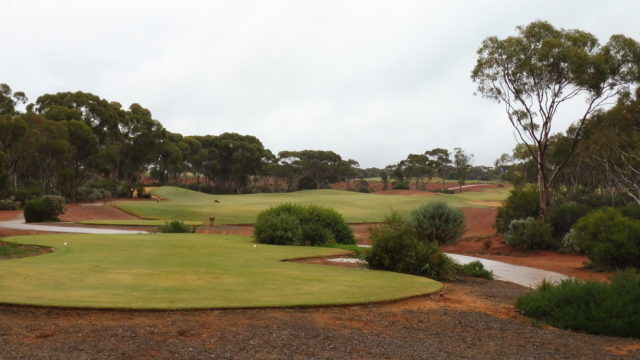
x=19, y=224
x=523, y=275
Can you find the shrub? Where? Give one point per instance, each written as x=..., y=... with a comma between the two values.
x=278, y=228
x=176, y=226
x=307, y=183
x=476, y=269
x=562, y=217
x=609, y=239
x=445, y=191
x=9, y=204
x=292, y=224
x=569, y=243
x=400, y=185
x=437, y=221
x=363, y=186
x=523, y=202
x=589, y=306
x=529, y=234
x=396, y=247
x=631, y=211
x=46, y=208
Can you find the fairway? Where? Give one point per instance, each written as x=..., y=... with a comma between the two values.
x=182, y=204
x=188, y=271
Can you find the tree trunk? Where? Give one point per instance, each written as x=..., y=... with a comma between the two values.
x=543, y=186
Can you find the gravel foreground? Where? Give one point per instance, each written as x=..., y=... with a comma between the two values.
x=475, y=319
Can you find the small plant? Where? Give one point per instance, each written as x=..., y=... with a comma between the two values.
x=46, y=208
x=610, y=240
x=9, y=204
x=588, y=306
x=176, y=226
x=476, y=269
x=438, y=222
x=445, y=191
x=529, y=234
x=487, y=244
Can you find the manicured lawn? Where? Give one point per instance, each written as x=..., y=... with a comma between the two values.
x=172, y=271
x=182, y=204
x=140, y=222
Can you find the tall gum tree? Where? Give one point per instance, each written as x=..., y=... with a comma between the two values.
x=533, y=73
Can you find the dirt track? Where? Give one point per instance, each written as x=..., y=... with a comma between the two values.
x=475, y=319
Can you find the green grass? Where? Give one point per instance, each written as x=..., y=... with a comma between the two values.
x=180, y=271
x=182, y=204
x=140, y=222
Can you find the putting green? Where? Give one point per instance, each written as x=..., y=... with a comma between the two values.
x=182, y=204
x=188, y=271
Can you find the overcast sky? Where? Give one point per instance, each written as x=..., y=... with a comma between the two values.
x=370, y=80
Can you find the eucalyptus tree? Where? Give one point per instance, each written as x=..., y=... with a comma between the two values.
x=537, y=71
x=441, y=162
x=462, y=162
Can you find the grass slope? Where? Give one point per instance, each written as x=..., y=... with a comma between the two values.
x=178, y=271
x=182, y=204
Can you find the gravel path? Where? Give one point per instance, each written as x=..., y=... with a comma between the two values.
x=473, y=320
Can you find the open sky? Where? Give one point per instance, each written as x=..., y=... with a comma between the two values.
x=371, y=80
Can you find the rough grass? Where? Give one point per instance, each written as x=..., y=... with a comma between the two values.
x=178, y=271
x=13, y=250
x=182, y=204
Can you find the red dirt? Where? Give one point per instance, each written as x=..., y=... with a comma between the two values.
x=79, y=212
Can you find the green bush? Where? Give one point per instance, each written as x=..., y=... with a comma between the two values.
x=476, y=269
x=176, y=226
x=307, y=183
x=445, y=191
x=46, y=208
x=438, y=222
x=9, y=204
x=569, y=244
x=400, y=185
x=562, y=217
x=293, y=224
x=588, y=306
x=396, y=247
x=523, y=202
x=529, y=234
x=609, y=239
x=630, y=211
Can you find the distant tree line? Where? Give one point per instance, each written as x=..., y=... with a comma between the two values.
x=72, y=143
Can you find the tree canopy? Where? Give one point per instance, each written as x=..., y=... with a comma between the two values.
x=536, y=71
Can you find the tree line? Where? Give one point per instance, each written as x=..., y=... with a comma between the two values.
x=64, y=142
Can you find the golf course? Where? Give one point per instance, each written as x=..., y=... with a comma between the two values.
x=187, y=205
